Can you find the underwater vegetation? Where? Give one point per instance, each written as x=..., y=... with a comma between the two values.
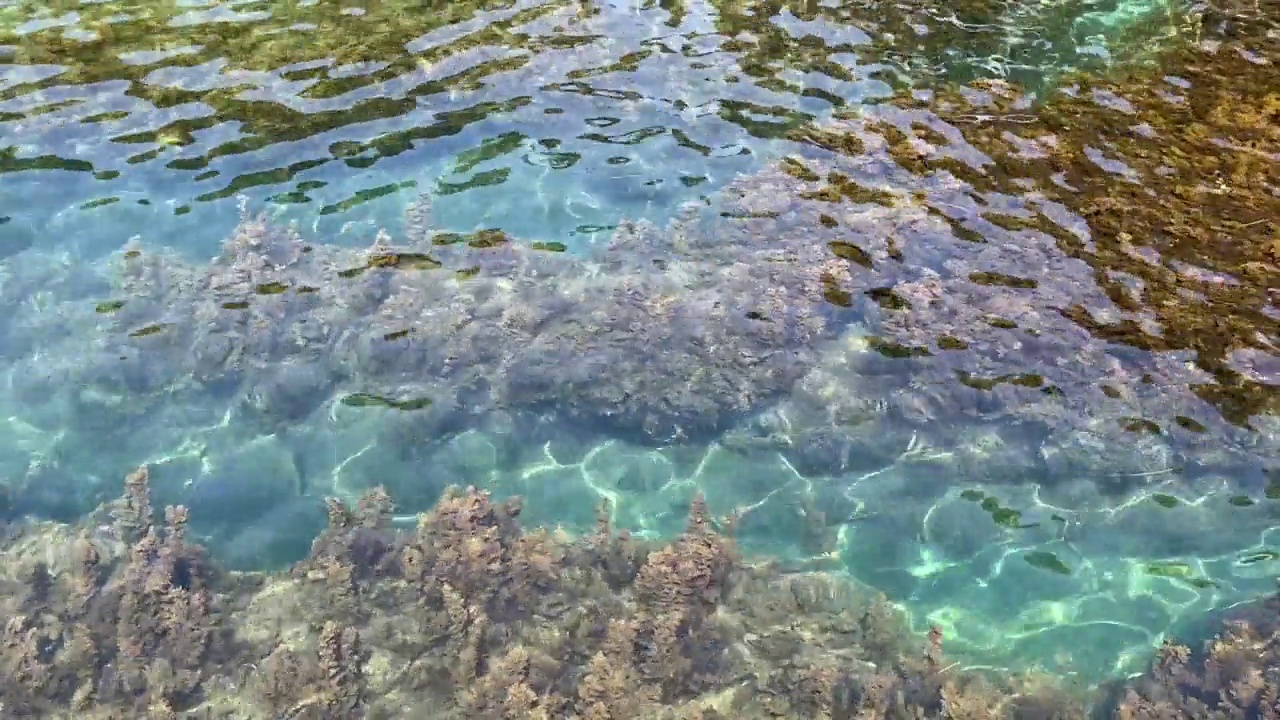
x=470, y=615
x=664, y=335
x=1099, y=269
x=991, y=357
x=802, y=47
x=658, y=335
x=1172, y=171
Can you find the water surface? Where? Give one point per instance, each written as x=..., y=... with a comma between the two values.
x=975, y=304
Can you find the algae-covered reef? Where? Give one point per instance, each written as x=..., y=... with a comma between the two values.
x=1091, y=276
x=468, y=615
x=1173, y=171
x=664, y=334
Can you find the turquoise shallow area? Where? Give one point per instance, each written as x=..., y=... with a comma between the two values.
x=628, y=289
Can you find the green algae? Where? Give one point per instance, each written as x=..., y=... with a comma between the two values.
x=1198, y=157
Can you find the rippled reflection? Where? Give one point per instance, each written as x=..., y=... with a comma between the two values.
x=603, y=108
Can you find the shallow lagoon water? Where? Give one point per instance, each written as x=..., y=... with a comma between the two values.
x=975, y=305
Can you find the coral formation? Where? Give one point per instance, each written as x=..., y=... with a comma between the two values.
x=470, y=615
x=129, y=617
x=1236, y=674
x=667, y=335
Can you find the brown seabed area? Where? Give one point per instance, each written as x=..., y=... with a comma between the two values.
x=470, y=616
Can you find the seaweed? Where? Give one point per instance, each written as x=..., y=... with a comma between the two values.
x=465, y=615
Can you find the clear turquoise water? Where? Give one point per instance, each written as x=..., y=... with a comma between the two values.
x=1054, y=536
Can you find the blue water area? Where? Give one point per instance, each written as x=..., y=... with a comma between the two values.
x=153, y=120
x=608, y=256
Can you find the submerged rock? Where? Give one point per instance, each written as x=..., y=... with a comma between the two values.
x=663, y=335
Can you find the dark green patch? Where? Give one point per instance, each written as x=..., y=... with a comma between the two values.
x=895, y=350
x=834, y=294
x=395, y=335
x=798, y=170
x=1140, y=426
x=557, y=247
x=108, y=116
x=1002, y=323
x=849, y=251
x=1004, y=517
x=749, y=215
x=395, y=260
x=271, y=288
x=1241, y=501
x=490, y=149
x=487, y=178
x=888, y=299
x=487, y=238
x=363, y=196
x=370, y=400
x=148, y=330
x=1030, y=380
x=100, y=202
x=108, y=306
x=345, y=149
x=404, y=261
x=1181, y=572
x=293, y=197
x=1190, y=424
x=447, y=238
x=827, y=221
x=1001, y=280
x=189, y=164
x=236, y=305
x=947, y=342
x=1046, y=561
x=1166, y=501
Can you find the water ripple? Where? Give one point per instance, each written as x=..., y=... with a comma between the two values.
x=282, y=101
